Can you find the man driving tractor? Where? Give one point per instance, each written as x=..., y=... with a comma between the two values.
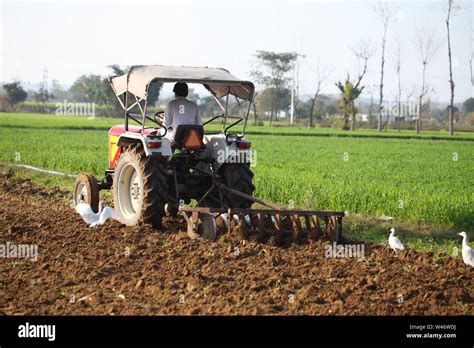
x=180, y=111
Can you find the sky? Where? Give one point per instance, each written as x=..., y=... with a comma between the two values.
x=71, y=38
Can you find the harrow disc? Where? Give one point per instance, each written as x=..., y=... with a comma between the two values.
x=201, y=226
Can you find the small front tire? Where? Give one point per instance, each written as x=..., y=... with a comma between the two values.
x=86, y=191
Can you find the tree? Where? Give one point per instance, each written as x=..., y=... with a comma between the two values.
x=397, y=58
x=254, y=107
x=266, y=99
x=57, y=92
x=447, y=112
x=208, y=106
x=450, y=9
x=427, y=46
x=15, y=92
x=192, y=95
x=468, y=105
x=409, y=93
x=294, y=99
x=90, y=88
x=153, y=91
x=117, y=70
x=371, y=90
x=470, y=68
x=387, y=15
x=42, y=95
x=351, y=91
x=471, y=56
x=327, y=107
x=347, y=103
x=321, y=76
x=272, y=73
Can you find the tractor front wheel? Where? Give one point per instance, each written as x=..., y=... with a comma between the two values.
x=139, y=188
x=86, y=191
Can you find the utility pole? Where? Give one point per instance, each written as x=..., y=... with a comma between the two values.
x=45, y=82
x=295, y=87
x=294, y=91
x=44, y=89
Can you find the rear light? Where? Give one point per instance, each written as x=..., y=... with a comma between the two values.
x=154, y=144
x=243, y=145
x=231, y=138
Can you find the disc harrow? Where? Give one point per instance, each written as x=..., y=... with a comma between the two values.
x=263, y=225
x=274, y=225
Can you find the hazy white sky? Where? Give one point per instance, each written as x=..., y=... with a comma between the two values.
x=71, y=38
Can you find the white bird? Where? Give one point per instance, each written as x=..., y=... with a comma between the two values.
x=467, y=252
x=394, y=242
x=94, y=219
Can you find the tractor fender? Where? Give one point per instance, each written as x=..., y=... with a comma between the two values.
x=128, y=138
x=218, y=148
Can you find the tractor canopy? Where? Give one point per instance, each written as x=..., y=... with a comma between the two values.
x=218, y=81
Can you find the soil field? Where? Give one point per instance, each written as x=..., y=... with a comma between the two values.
x=119, y=270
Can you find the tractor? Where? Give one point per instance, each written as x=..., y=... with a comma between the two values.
x=152, y=175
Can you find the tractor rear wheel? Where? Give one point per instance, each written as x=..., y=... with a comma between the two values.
x=239, y=177
x=86, y=191
x=140, y=188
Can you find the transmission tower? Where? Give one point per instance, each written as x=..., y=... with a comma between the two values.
x=45, y=84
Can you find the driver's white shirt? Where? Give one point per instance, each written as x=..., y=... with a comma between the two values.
x=180, y=111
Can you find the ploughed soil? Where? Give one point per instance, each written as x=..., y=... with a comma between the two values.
x=119, y=270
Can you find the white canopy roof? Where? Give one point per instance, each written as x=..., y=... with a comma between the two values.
x=218, y=81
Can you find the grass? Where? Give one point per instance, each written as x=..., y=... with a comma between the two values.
x=27, y=120
x=409, y=180
x=426, y=185
x=426, y=238
x=46, y=180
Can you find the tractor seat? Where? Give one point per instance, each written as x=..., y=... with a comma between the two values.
x=189, y=136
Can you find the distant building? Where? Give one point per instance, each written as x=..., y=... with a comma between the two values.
x=279, y=115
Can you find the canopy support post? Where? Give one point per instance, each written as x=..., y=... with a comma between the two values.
x=126, y=110
x=226, y=108
x=248, y=112
x=144, y=111
x=218, y=102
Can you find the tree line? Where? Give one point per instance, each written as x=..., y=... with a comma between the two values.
x=271, y=71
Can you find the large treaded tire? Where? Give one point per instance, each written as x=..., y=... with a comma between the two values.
x=239, y=177
x=153, y=188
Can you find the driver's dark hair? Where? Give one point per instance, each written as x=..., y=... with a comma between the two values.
x=181, y=89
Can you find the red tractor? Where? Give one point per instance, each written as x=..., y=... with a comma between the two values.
x=152, y=175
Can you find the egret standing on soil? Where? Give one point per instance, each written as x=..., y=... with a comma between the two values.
x=94, y=219
x=394, y=242
x=467, y=252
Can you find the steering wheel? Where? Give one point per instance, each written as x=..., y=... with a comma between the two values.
x=159, y=114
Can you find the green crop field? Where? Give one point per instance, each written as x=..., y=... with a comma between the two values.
x=415, y=181
x=25, y=120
